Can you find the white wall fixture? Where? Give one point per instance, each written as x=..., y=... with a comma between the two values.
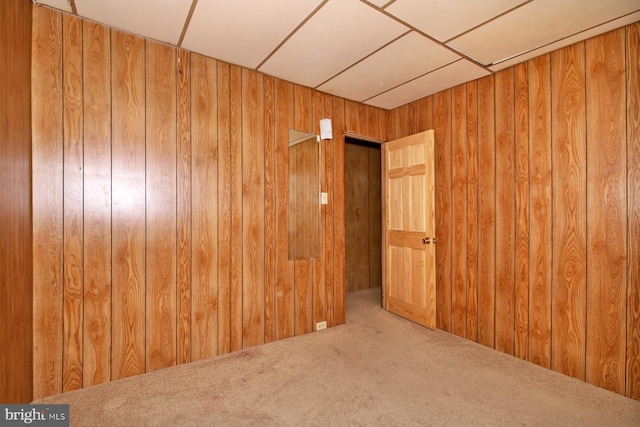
x=325, y=129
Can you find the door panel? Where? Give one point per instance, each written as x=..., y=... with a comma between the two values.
x=409, y=251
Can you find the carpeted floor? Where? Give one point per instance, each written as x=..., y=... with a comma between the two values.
x=378, y=369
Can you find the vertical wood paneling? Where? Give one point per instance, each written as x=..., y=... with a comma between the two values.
x=505, y=211
x=521, y=339
x=128, y=213
x=442, y=129
x=73, y=204
x=606, y=190
x=253, y=208
x=402, y=125
x=319, y=265
x=269, y=210
x=47, y=178
x=16, y=318
x=556, y=258
x=184, y=216
x=235, y=126
x=540, y=244
x=372, y=118
x=472, y=210
x=175, y=167
x=633, y=179
x=224, y=209
x=356, y=216
x=97, y=204
x=338, y=203
x=303, y=115
x=568, y=315
x=375, y=215
x=486, y=211
x=425, y=114
x=459, y=211
x=204, y=208
x=161, y=206
x=284, y=267
x=352, y=117
x=541, y=192
x=328, y=225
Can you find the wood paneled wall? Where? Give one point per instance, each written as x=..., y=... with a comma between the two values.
x=363, y=216
x=15, y=203
x=538, y=208
x=160, y=205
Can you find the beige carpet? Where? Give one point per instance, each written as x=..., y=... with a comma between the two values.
x=378, y=369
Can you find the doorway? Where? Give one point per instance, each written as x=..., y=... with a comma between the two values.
x=363, y=216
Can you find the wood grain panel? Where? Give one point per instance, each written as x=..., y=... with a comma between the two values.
x=192, y=118
x=47, y=181
x=352, y=117
x=486, y=211
x=73, y=204
x=569, y=199
x=633, y=180
x=97, y=204
x=357, y=211
x=235, y=126
x=532, y=213
x=328, y=225
x=459, y=211
x=521, y=339
x=269, y=210
x=204, y=212
x=184, y=216
x=375, y=218
x=319, y=264
x=472, y=210
x=425, y=114
x=606, y=190
x=303, y=292
x=372, y=129
x=338, y=203
x=505, y=211
x=16, y=319
x=252, y=208
x=302, y=108
x=128, y=211
x=442, y=128
x=284, y=267
x=414, y=111
x=402, y=122
x=7, y=392
x=540, y=243
x=161, y=156
x=224, y=209
x=384, y=124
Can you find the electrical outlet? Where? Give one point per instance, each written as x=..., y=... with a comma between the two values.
x=321, y=325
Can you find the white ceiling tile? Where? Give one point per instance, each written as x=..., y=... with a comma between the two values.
x=341, y=33
x=160, y=20
x=244, y=32
x=57, y=4
x=444, y=19
x=592, y=32
x=536, y=24
x=379, y=3
x=407, y=58
x=443, y=78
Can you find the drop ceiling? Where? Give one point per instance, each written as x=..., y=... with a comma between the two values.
x=378, y=52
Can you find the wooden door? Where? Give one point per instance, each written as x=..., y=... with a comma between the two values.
x=408, y=247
